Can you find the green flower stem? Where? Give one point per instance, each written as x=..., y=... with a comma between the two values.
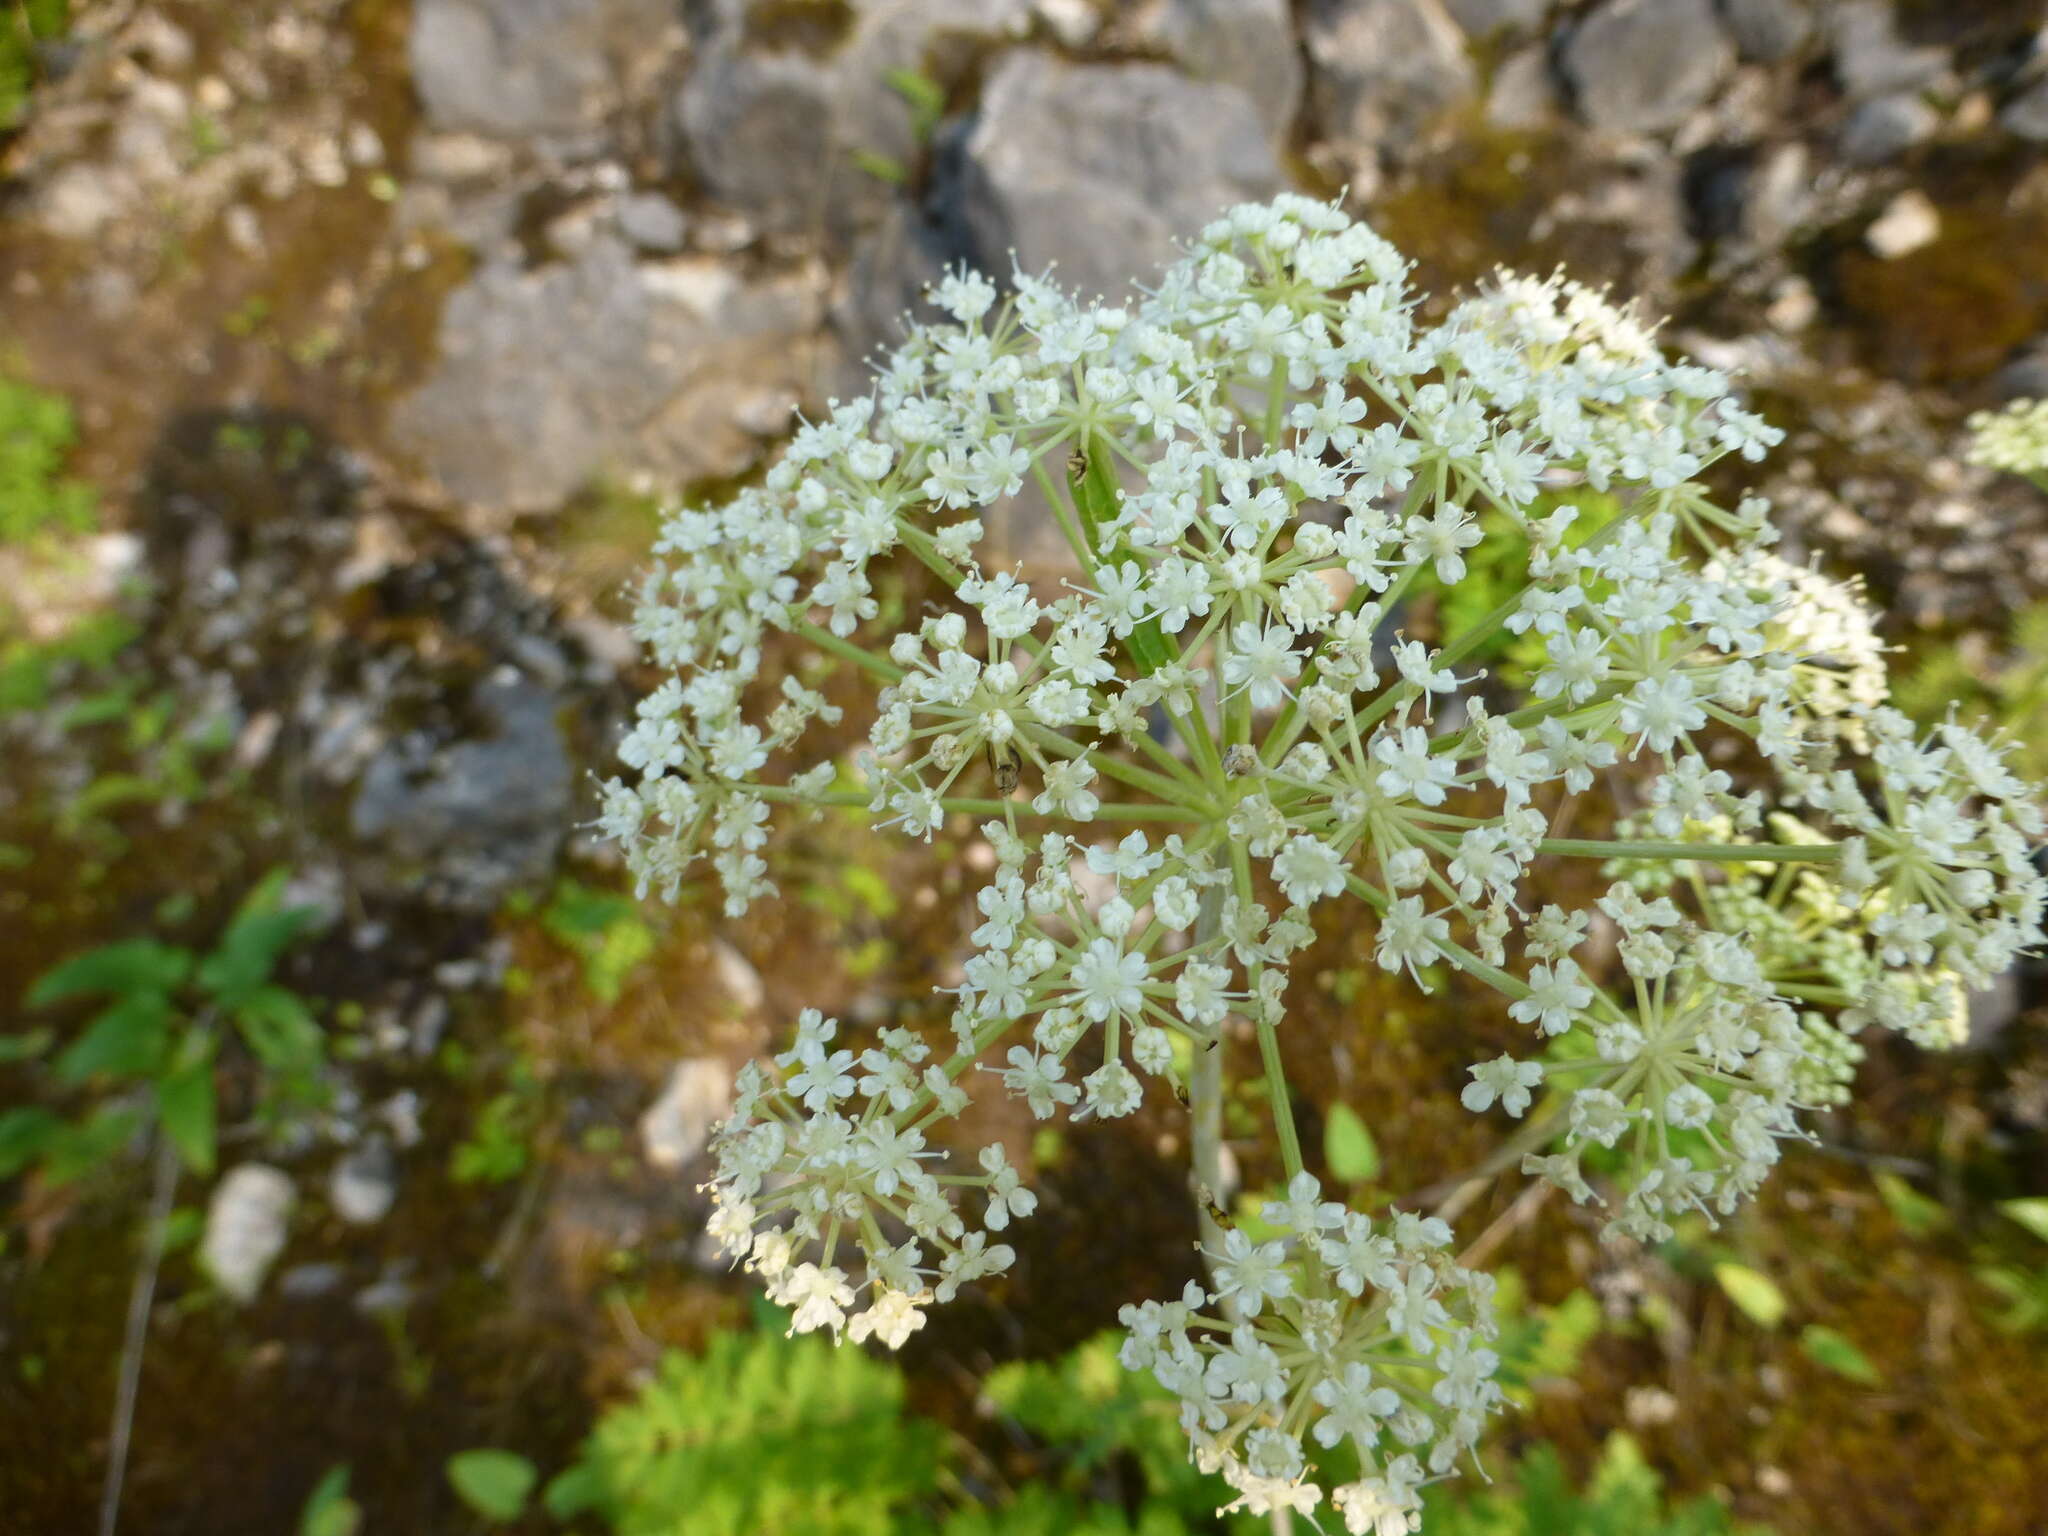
x=825, y=640
x=1277, y=1099
x=1719, y=853
x=1185, y=791
x=1064, y=513
x=967, y=806
x=1813, y=992
x=1276, y=1092
x=1205, y=1098
x=1457, y=954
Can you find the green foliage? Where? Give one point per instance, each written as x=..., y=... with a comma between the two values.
x=36, y=428
x=1625, y=1498
x=1756, y=1295
x=925, y=97
x=1497, y=569
x=161, y=1017
x=1090, y=1410
x=604, y=929
x=1540, y=1343
x=1915, y=1212
x=2008, y=690
x=759, y=1435
x=329, y=1510
x=2023, y=1286
x=500, y=1144
x=1349, y=1152
x=1825, y=1347
x=496, y=1484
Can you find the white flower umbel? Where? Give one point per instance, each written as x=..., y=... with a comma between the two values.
x=1226, y=708
x=2014, y=439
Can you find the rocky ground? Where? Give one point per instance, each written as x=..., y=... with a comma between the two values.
x=386, y=323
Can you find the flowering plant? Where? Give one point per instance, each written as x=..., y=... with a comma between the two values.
x=1214, y=719
x=2014, y=439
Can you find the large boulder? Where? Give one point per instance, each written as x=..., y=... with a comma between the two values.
x=1100, y=167
x=1246, y=43
x=1871, y=58
x=550, y=377
x=791, y=124
x=519, y=68
x=1384, y=72
x=1644, y=66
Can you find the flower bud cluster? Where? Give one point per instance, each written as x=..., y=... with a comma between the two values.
x=1335, y=1332
x=826, y=1153
x=2014, y=439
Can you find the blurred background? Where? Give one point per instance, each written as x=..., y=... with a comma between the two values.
x=351, y=1110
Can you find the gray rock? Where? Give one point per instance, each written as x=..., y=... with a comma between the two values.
x=364, y=1184
x=1885, y=127
x=1483, y=18
x=1989, y=1014
x=1101, y=167
x=891, y=266
x=1524, y=92
x=2027, y=113
x=2026, y=376
x=547, y=378
x=652, y=222
x=1644, y=66
x=1246, y=43
x=1768, y=31
x=1384, y=72
x=515, y=68
x=1870, y=57
x=779, y=129
x=247, y=1221
x=679, y=1123
x=471, y=818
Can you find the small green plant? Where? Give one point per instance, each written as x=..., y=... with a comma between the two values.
x=150, y=1052
x=1624, y=1498
x=760, y=1434
x=499, y=1147
x=25, y=27
x=2005, y=689
x=37, y=433
x=772, y=1433
x=606, y=931
x=329, y=1510
x=2022, y=1286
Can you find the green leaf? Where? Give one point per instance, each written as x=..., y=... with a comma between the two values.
x=577, y=1491
x=25, y=1134
x=76, y=1150
x=1919, y=1214
x=1091, y=479
x=2031, y=1214
x=493, y=1483
x=1829, y=1348
x=925, y=97
x=329, y=1510
x=250, y=948
x=132, y=965
x=48, y=19
x=1756, y=1295
x=185, y=1101
x=26, y=1046
x=1349, y=1151
x=884, y=168
x=127, y=1039
x=280, y=1029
